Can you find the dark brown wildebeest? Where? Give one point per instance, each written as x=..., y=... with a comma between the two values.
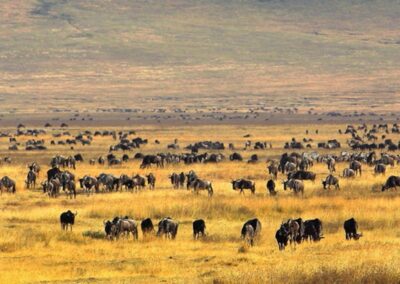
x=241, y=184
x=199, y=228
x=313, y=230
x=67, y=219
x=356, y=166
x=168, y=228
x=380, y=169
x=351, y=227
x=7, y=184
x=282, y=237
x=391, y=182
x=147, y=226
x=151, y=180
x=302, y=175
x=329, y=181
x=271, y=187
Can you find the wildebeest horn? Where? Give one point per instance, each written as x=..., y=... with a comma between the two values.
x=104, y=222
x=76, y=213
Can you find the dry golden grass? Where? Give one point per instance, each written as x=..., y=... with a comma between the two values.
x=34, y=249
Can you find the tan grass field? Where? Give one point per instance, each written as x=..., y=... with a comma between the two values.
x=34, y=249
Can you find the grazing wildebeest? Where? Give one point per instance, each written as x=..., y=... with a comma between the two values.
x=110, y=228
x=302, y=175
x=139, y=182
x=65, y=177
x=34, y=167
x=249, y=235
x=151, y=159
x=236, y=157
x=331, y=163
x=271, y=187
x=126, y=226
x=313, y=230
x=8, y=184
x=350, y=227
x=53, y=173
x=31, y=179
x=151, y=180
x=255, y=224
x=147, y=226
x=329, y=181
x=391, y=182
x=199, y=227
x=380, y=169
x=67, y=219
x=348, y=173
x=290, y=167
x=282, y=237
x=88, y=183
x=242, y=184
x=71, y=189
x=174, y=180
x=295, y=185
x=356, y=166
x=168, y=228
x=293, y=228
x=199, y=184
x=273, y=170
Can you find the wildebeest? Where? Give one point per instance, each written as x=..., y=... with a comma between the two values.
x=52, y=173
x=241, y=184
x=282, y=237
x=89, y=183
x=273, y=170
x=302, y=175
x=348, y=173
x=199, y=227
x=110, y=228
x=293, y=229
x=8, y=184
x=151, y=159
x=151, y=180
x=294, y=184
x=391, y=182
x=356, y=166
x=351, y=227
x=168, y=228
x=199, y=184
x=313, y=230
x=249, y=234
x=329, y=181
x=147, y=226
x=271, y=187
x=127, y=226
x=67, y=219
x=380, y=169
x=331, y=163
x=31, y=179
x=255, y=224
x=174, y=177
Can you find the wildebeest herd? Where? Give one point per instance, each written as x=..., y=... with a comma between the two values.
x=293, y=231
x=293, y=168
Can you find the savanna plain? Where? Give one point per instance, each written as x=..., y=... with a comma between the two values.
x=34, y=249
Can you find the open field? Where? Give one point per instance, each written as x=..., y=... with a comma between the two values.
x=189, y=55
x=34, y=249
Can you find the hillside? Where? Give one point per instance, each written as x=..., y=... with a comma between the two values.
x=234, y=55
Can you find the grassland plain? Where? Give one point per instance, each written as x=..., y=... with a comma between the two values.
x=326, y=55
x=34, y=249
